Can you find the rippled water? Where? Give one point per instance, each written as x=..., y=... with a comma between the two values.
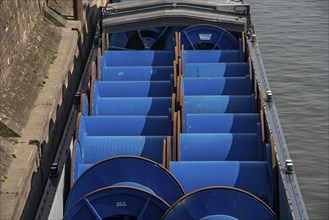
x=293, y=39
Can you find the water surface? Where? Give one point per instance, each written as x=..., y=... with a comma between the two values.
x=293, y=39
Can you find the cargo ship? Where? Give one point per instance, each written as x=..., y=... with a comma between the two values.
x=178, y=120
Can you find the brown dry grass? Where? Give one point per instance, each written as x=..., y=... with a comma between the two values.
x=7, y=155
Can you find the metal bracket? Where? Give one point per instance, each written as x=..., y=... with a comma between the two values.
x=34, y=142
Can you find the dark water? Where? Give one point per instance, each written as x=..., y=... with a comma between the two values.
x=293, y=39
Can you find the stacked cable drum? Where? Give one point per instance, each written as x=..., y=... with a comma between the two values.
x=123, y=139
x=157, y=124
x=220, y=158
x=129, y=106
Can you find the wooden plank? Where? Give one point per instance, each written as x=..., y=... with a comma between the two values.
x=175, y=137
x=93, y=64
x=98, y=63
x=178, y=88
x=262, y=116
x=250, y=74
x=77, y=125
x=275, y=176
x=181, y=95
x=176, y=47
x=108, y=38
x=179, y=52
x=175, y=73
x=97, y=72
x=178, y=135
x=168, y=153
x=72, y=164
x=179, y=66
x=261, y=101
x=103, y=43
x=243, y=44
x=182, y=110
x=262, y=126
x=92, y=82
x=182, y=61
x=178, y=43
x=164, y=153
x=179, y=39
x=173, y=105
x=180, y=91
x=82, y=100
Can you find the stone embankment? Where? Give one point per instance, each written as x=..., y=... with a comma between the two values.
x=39, y=74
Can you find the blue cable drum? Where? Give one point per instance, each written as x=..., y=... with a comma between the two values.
x=125, y=125
x=133, y=89
x=237, y=69
x=219, y=147
x=118, y=106
x=98, y=148
x=251, y=176
x=136, y=73
x=221, y=123
x=219, y=203
x=219, y=104
x=139, y=58
x=148, y=39
x=127, y=171
x=217, y=86
x=207, y=37
x=93, y=149
x=124, y=202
